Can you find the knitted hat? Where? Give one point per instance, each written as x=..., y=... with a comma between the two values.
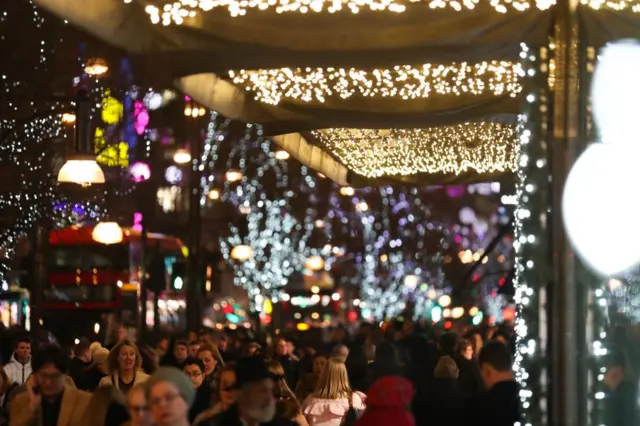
x=100, y=355
x=446, y=368
x=387, y=402
x=175, y=377
x=94, y=346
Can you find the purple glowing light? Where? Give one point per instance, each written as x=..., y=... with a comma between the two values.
x=140, y=172
x=455, y=191
x=141, y=117
x=137, y=222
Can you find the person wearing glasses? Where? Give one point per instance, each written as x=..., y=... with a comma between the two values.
x=170, y=394
x=194, y=368
x=138, y=407
x=48, y=400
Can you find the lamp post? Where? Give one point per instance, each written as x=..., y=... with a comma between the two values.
x=81, y=167
x=194, y=231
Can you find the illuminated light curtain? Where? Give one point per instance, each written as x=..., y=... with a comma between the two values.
x=484, y=147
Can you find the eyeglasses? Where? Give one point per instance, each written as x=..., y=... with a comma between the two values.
x=138, y=408
x=49, y=377
x=194, y=374
x=169, y=398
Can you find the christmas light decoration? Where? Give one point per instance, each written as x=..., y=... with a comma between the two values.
x=273, y=86
x=530, y=241
x=269, y=231
x=483, y=147
x=180, y=12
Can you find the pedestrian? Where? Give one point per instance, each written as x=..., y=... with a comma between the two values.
x=19, y=366
x=255, y=404
x=124, y=366
x=80, y=366
x=138, y=406
x=291, y=366
x=388, y=403
x=170, y=394
x=500, y=405
x=194, y=369
x=333, y=397
x=307, y=384
x=48, y=400
x=226, y=394
x=212, y=361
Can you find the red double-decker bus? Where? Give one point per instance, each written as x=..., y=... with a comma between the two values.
x=91, y=283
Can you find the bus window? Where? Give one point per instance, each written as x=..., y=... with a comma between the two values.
x=88, y=257
x=80, y=294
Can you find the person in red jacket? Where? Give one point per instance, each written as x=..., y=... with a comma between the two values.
x=388, y=403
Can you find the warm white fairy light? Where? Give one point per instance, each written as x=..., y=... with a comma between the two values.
x=482, y=147
x=273, y=86
x=179, y=12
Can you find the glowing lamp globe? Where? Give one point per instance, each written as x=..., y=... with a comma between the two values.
x=242, y=253
x=314, y=263
x=82, y=170
x=347, y=191
x=615, y=92
x=107, y=233
x=599, y=209
x=181, y=156
x=282, y=155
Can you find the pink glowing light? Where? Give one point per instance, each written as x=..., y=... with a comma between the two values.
x=140, y=172
x=137, y=222
x=141, y=117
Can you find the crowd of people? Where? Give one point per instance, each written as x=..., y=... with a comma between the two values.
x=398, y=376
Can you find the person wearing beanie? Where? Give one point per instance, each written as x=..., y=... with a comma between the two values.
x=388, y=403
x=443, y=404
x=170, y=394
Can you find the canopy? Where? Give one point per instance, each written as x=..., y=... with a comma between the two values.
x=391, y=66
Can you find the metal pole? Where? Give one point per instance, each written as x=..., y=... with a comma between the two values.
x=142, y=286
x=83, y=140
x=564, y=300
x=194, y=229
x=40, y=242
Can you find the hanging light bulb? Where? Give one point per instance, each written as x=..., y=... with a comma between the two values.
x=96, y=67
x=214, y=194
x=181, y=156
x=282, y=155
x=107, y=233
x=81, y=169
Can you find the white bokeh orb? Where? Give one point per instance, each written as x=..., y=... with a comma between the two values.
x=600, y=208
x=615, y=92
x=466, y=215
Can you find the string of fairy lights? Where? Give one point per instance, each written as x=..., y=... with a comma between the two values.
x=178, y=13
x=529, y=244
x=405, y=82
x=485, y=147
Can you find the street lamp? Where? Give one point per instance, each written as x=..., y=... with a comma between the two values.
x=107, y=233
x=181, y=156
x=81, y=167
x=242, y=253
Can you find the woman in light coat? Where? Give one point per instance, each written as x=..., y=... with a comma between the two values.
x=124, y=367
